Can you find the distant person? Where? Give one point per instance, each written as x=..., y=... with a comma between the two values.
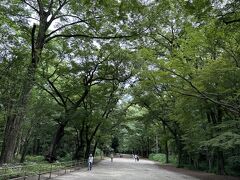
x=133, y=156
x=137, y=158
x=90, y=162
x=111, y=157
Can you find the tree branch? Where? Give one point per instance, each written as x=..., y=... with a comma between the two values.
x=88, y=36
x=61, y=5
x=57, y=92
x=49, y=92
x=64, y=26
x=228, y=106
x=232, y=21
x=40, y=6
x=31, y=6
x=50, y=6
x=33, y=44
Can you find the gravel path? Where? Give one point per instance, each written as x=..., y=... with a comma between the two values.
x=125, y=169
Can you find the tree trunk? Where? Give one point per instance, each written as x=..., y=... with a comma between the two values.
x=89, y=140
x=15, y=119
x=36, y=146
x=10, y=139
x=51, y=156
x=179, y=149
x=24, y=151
x=166, y=144
x=25, y=145
x=220, y=163
x=210, y=160
x=95, y=147
x=79, y=153
x=88, y=148
x=37, y=149
x=166, y=152
x=157, y=146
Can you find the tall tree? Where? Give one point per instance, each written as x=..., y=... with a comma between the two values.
x=57, y=19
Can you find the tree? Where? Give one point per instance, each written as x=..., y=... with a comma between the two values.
x=83, y=20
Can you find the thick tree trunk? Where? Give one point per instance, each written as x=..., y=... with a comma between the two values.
x=15, y=119
x=10, y=138
x=51, y=155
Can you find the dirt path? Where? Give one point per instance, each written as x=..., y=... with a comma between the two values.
x=125, y=169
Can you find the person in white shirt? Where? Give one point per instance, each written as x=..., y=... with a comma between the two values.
x=90, y=162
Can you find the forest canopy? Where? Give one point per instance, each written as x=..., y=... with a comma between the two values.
x=123, y=76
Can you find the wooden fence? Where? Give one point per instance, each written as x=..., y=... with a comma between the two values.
x=39, y=171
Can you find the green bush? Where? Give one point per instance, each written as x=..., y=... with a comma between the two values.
x=233, y=165
x=67, y=157
x=162, y=158
x=34, y=159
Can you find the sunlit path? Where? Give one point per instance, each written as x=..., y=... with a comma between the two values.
x=125, y=169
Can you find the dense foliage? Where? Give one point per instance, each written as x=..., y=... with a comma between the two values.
x=129, y=76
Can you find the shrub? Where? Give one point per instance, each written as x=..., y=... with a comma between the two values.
x=233, y=165
x=162, y=158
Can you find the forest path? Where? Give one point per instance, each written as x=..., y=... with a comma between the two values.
x=125, y=169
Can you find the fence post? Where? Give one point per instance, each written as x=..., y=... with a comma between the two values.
x=50, y=172
x=65, y=167
x=25, y=174
x=39, y=176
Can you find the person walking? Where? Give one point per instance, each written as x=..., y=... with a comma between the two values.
x=136, y=157
x=111, y=157
x=90, y=162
